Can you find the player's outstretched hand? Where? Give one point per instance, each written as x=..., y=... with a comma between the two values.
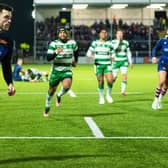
x=11, y=90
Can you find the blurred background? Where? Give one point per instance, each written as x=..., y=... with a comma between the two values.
x=35, y=24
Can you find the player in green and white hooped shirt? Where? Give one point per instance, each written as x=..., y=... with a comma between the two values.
x=63, y=52
x=101, y=51
x=121, y=59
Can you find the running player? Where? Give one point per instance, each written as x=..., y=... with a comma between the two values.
x=101, y=51
x=63, y=52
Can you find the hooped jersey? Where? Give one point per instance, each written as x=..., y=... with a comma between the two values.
x=102, y=52
x=121, y=50
x=63, y=60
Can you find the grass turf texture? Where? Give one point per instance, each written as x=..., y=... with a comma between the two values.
x=129, y=116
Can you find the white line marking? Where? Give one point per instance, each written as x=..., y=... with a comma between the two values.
x=89, y=138
x=113, y=93
x=78, y=93
x=94, y=128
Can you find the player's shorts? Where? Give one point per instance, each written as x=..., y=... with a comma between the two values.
x=57, y=76
x=119, y=65
x=102, y=69
x=162, y=65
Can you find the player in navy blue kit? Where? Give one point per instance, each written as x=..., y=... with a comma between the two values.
x=18, y=70
x=6, y=46
x=162, y=46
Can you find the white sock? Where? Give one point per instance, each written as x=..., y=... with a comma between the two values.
x=123, y=86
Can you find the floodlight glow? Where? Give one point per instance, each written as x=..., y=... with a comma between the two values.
x=119, y=6
x=156, y=6
x=80, y=6
x=64, y=9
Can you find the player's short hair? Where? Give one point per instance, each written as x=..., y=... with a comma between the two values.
x=6, y=7
x=29, y=71
x=104, y=28
x=120, y=29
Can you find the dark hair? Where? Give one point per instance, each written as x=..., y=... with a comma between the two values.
x=119, y=29
x=103, y=28
x=29, y=71
x=6, y=7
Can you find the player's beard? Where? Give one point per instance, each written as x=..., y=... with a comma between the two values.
x=4, y=27
x=64, y=40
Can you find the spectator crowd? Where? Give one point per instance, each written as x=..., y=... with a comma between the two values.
x=141, y=37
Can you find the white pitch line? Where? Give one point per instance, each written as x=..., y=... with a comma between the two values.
x=78, y=93
x=94, y=128
x=113, y=93
x=82, y=138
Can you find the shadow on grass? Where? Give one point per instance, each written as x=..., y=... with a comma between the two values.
x=125, y=101
x=47, y=158
x=93, y=114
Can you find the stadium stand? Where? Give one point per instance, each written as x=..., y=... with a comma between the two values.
x=137, y=34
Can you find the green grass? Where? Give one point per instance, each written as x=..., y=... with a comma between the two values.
x=130, y=116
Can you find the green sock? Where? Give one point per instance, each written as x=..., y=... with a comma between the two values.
x=109, y=88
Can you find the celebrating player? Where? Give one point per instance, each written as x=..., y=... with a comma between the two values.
x=63, y=52
x=162, y=46
x=6, y=46
x=101, y=51
x=121, y=59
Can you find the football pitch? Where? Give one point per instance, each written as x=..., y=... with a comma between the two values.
x=81, y=133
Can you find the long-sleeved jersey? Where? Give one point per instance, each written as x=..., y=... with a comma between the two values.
x=101, y=51
x=62, y=61
x=6, y=48
x=122, y=51
x=162, y=46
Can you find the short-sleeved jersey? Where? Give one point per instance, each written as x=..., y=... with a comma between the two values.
x=121, y=50
x=102, y=52
x=63, y=60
